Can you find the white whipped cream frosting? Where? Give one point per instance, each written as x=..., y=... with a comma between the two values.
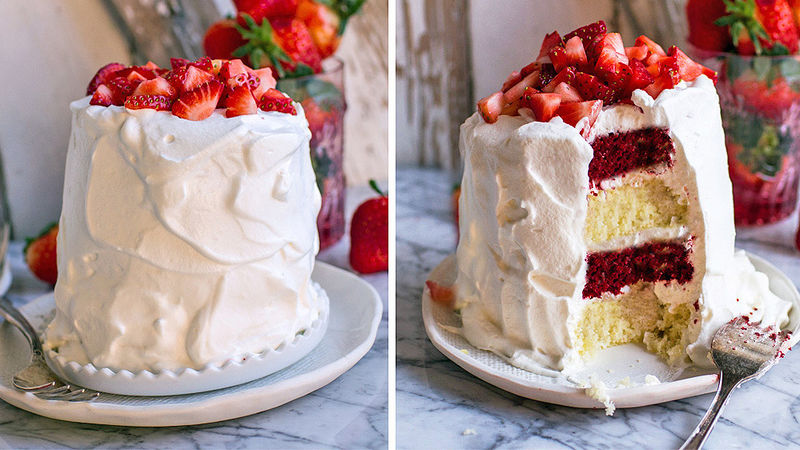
x=522, y=256
x=183, y=243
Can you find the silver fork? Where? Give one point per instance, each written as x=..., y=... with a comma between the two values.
x=37, y=377
x=742, y=351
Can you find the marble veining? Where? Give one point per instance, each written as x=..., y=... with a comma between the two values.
x=350, y=412
x=457, y=410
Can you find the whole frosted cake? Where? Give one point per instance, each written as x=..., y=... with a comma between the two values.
x=596, y=210
x=184, y=242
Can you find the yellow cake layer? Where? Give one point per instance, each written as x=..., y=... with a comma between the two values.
x=629, y=209
x=635, y=317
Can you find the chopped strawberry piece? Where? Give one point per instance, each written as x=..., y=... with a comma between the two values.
x=178, y=62
x=593, y=47
x=266, y=82
x=275, y=100
x=654, y=69
x=199, y=103
x=511, y=109
x=711, y=74
x=187, y=78
x=588, y=32
x=151, y=66
x=640, y=77
x=558, y=56
x=234, y=70
x=239, y=102
x=512, y=79
x=576, y=54
x=545, y=76
x=550, y=41
x=204, y=63
x=639, y=52
x=568, y=93
x=158, y=102
x=515, y=92
x=565, y=76
x=572, y=113
x=651, y=46
x=120, y=89
x=439, y=293
x=534, y=67
x=491, y=106
x=103, y=75
x=590, y=87
x=543, y=105
x=614, y=42
x=156, y=86
x=669, y=67
x=662, y=82
x=136, y=77
x=102, y=96
x=688, y=69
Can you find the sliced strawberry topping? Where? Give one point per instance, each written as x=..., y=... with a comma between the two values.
x=515, y=92
x=199, y=103
x=275, y=100
x=545, y=76
x=159, y=102
x=640, y=77
x=558, y=56
x=178, y=62
x=652, y=46
x=156, y=86
x=543, y=105
x=136, y=77
x=239, y=102
x=266, y=82
x=490, y=107
x=439, y=293
x=588, y=32
x=512, y=79
x=535, y=67
x=688, y=69
x=662, y=82
x=565, y=76
x=204, y=63
x=568, y=93
x=120, y=87
x=103, y=75
x=639, y=52
x=188, y=77
x=589, y=86
x=102, y=96
x=576, y=54
x=572, y=113
x=550, y=41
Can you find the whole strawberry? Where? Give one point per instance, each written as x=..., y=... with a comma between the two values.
x=40, y=254
x=703, y=32
x=369, y=234
x=761, y=26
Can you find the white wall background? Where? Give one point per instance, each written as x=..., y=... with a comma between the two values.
x=50, y=49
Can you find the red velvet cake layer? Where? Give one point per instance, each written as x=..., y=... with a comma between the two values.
x=651, y=262
x=618, y=153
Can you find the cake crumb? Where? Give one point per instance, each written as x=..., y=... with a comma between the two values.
x=469, y=432
x=651, y=380
x=623, y=383
x=599, y=391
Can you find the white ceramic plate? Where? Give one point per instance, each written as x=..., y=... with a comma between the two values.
x=612, y=365
x=234, y=371
x=355, y=313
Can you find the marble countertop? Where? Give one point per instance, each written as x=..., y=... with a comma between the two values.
x=457, y=410
x=351, y=412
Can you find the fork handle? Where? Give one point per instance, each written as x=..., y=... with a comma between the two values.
x=726, y=385
x=14, y=317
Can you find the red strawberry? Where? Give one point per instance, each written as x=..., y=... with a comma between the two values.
x=156, y=86
x=103, y=75
x=221, y=40
x=576, y=55
x=688, y=69
x=639, y=79
x=515, y=92
x=590, y=87
x=120, y=89
x=369, y=235
x=275, y=100
x=550, y=41
x=611, y=55
x=651, y=45
x=179, y=62
x=188, y=77
x=262, y=9
x=294, y=38
x=558, y=56
x=490, y=107
x=565, y=76
x=572, y=113
x=636, y=52
x=588, y=33
x=512, y=80
x=323, y=23
x=703, y=32
x=546, y=75
x=663, y=81
x=757, y=26
x=543, y=105
x=234, y=73
x=136, y=77
x=40, y=254
x=568, y=93
x=200, y=103
x=266, y=82
x=102, y=96
x=158, y=102
x=439, y=293
x=239, y=102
